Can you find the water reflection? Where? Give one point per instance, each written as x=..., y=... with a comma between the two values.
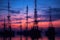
x=24, y=38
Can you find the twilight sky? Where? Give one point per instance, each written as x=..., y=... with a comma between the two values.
x=18, y=10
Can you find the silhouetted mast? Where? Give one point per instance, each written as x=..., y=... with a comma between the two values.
x=4, y=24
x=50, y=20
x=20, y=30
x=51, y=30
x=27, y=17
x=9, y=21
x=26, y=22
x=35, y=14
x=20, y=25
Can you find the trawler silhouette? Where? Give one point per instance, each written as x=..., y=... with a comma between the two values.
x=6, y=32
x=51, y=30
x=35, y=33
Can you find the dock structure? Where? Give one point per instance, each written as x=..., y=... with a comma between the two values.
x=51, y=30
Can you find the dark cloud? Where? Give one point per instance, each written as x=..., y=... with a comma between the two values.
x=18, y=18
x=56, y=17
x=53, y=17
x=41, y=21
x=14, y=11
x=17, y=22
x=56, y=9
x=20, y=22
x=28, y=22
x=11, y=11
x=1, y=20
x=55, y=14
x=0, y=15
x=28, y=16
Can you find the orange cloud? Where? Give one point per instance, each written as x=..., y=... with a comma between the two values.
x=40, y=24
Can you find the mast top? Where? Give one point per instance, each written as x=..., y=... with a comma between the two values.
x=8, y=7
x=27, y=17
x=35, y=3
x=35, y=13
x=27, y=10
x=4, y=24
x=50, y=20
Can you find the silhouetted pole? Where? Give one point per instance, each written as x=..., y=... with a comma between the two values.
x=20, y=30
x=4, y=38
x=9, y=21
x=4, y=25
x=26, y=22
x=51, y=30
x=35, y=32
x=27, y=16
x=35, y=14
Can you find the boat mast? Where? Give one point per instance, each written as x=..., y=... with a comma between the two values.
x=35, y=14
x=50, y=20
x=4, y=24
x=51, y=30
x=27, y=17
x=9, y=21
